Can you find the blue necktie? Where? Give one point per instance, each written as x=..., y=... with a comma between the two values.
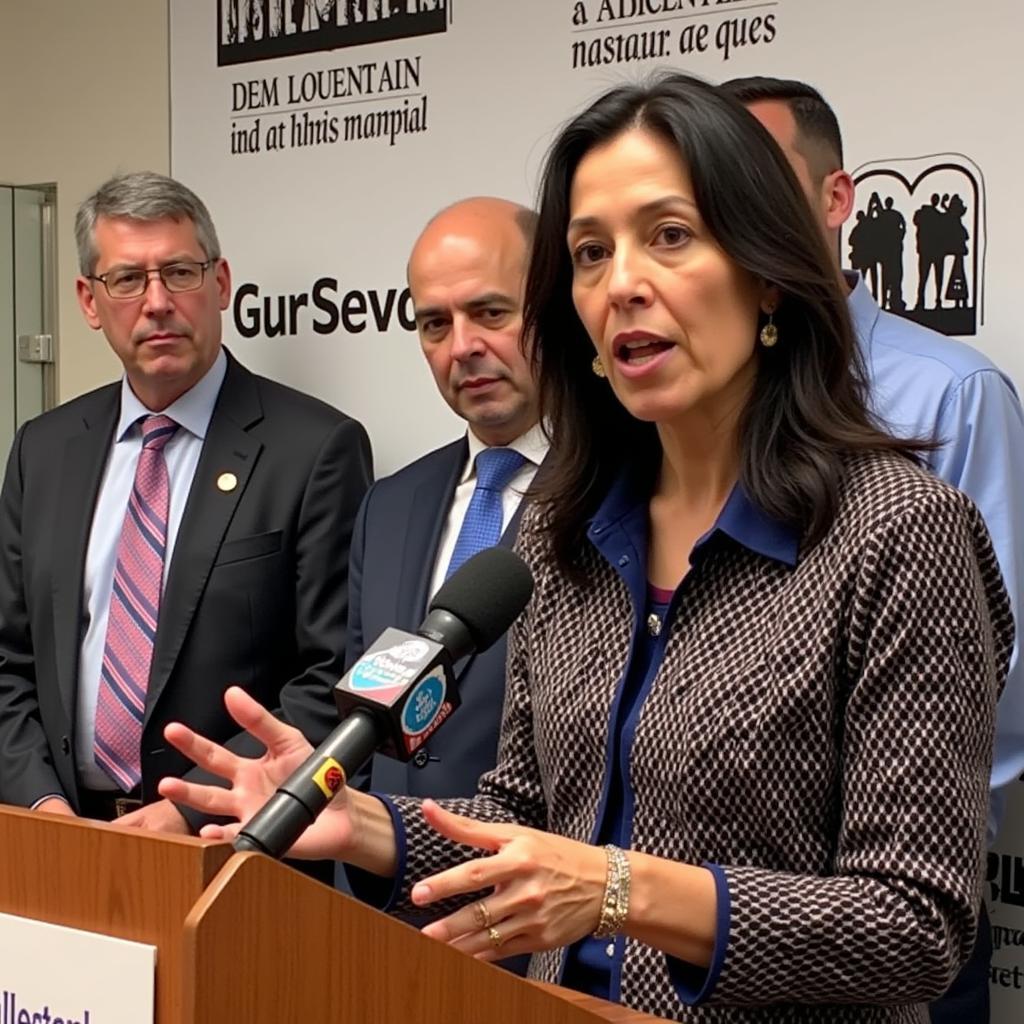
x=481, y=528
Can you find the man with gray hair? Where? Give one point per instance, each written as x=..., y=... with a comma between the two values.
x=166, y=536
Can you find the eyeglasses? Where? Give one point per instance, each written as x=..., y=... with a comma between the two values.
x=132, y=282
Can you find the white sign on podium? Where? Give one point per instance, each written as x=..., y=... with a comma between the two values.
x=62, y=975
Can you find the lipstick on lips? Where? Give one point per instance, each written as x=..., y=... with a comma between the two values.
x=637, y=348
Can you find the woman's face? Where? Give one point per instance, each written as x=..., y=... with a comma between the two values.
x=673, y=319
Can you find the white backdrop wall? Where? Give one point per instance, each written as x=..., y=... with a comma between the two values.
x=324, y=133
x=62, y=66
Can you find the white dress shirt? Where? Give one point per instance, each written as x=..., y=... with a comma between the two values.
x=192, y=412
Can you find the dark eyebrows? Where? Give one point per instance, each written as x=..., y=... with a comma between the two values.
x=655, y=206
x=474, y=305
x=428, y=312
x=491, y=299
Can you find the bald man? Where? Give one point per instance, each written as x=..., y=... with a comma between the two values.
x=466, y=275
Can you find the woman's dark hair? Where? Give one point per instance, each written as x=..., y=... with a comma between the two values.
x=808, y=406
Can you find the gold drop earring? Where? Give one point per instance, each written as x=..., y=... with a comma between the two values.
x=598, y=367
x=770, y=333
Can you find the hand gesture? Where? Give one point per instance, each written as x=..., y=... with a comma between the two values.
x=547, y=889
x=253, y=780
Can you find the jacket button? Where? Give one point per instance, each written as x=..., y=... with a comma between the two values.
x=421, y=758
x=65, y=745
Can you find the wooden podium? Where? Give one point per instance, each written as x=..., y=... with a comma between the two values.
x=241, y=937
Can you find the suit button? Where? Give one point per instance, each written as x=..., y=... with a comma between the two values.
x=65, y=745
x=421, y=758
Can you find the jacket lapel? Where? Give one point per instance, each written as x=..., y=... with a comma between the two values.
x=429, y=504
x=85, y=456
x=228, y=448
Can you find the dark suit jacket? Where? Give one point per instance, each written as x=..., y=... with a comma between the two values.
x=256, y=587
x=394, y=548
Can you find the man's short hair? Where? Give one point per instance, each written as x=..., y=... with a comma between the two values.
x=142, y=196
x=819, y=138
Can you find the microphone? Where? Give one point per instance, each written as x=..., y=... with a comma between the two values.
x=398, y=693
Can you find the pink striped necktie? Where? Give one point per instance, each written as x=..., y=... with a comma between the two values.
x=134, y=611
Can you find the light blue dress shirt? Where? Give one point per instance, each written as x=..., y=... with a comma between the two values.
x=927, y=385
x=192, y=413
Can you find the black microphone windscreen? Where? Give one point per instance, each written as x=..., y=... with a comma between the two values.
x=487, y=593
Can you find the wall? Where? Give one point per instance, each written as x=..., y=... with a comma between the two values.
x=322, y=148
x=89, y=84
x=317, y=209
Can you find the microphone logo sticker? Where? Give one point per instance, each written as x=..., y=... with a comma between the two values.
x=387, y=672
x=329, y=777
x=412, y=651
x=423, y=706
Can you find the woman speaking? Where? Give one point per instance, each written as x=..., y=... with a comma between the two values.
x=743, y=771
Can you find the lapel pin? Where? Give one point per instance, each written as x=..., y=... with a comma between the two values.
x=227, y=482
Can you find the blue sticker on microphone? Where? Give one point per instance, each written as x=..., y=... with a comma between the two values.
x=424, y=705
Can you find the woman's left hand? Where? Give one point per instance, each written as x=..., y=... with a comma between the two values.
x=547, y=889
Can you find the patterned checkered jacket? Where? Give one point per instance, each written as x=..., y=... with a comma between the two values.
x=822, y=732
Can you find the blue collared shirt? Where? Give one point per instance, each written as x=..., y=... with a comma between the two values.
x=924, y=384
x=192, y=412
x=620, y=532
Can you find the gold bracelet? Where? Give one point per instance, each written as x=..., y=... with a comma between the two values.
x=615, y=903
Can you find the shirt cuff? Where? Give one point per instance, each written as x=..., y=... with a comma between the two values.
x=381, y=893
x=695, y=985
x=50, y=796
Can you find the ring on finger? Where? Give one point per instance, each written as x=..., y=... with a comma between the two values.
x=495, y=936
x=482, y=915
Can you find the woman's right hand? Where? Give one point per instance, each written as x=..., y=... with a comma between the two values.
x=254, y=780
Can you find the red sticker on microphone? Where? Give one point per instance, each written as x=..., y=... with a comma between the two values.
x=329, y=777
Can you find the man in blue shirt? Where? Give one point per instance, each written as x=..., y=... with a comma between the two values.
x=926, y=385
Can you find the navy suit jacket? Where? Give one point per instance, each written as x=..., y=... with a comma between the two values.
x=394, y=548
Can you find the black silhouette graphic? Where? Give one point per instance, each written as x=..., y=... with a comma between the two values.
x=1005, y=877
x=251, y=30
x=928, y=221
x=945, y=248
x=876, y=250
